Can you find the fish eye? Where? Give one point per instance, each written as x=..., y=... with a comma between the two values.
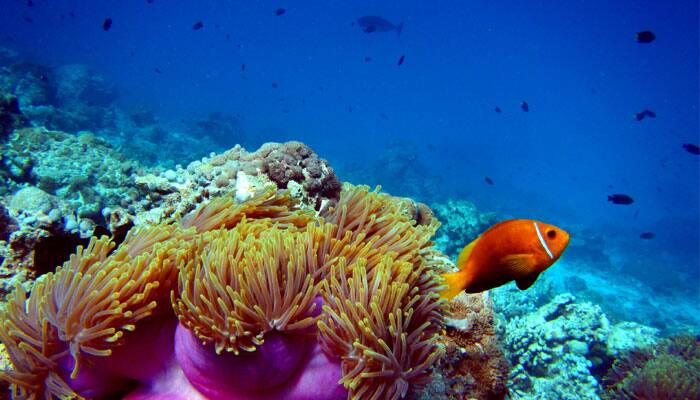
x=551, y=233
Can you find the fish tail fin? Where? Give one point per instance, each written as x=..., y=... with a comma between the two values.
x=399, y=29
x=454, y=283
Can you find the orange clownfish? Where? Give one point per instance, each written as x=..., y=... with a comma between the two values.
x=517, y=249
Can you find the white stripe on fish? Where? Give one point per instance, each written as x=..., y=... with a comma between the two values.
x=542, y=242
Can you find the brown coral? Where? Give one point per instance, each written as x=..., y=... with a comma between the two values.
x=474, y=366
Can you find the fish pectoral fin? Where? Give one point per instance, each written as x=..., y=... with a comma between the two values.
x=525, y=283
x=519, y=266
x=455, y=282
x=465, y=253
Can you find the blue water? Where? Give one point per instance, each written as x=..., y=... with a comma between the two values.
x=427, y=128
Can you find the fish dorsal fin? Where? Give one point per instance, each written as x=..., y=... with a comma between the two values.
x=454, y=283
x=518, y=265
x=526, y=282
x=465, y=253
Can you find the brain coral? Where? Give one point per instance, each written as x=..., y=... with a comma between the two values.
x=258, y=300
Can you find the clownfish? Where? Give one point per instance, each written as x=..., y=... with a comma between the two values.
x=517, y=249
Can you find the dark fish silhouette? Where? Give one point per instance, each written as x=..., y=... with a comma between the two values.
x=30, y=3
x=368, y=59
x=371, y=23
x=157, y=70
x=645, y=37
x=242, y=67
x=149, y=1
x=275, y=85
x=107, y=24
x=525, y=106
x=198, y=25
x=691, y=148
x=488, y=180
x=619, y=198
x=643, y=114
x=497, y=110
x=647, y=235
x=280, y=11
x=401, y=59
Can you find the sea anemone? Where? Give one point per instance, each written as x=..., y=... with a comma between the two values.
x=668, y=370
x=295, y=306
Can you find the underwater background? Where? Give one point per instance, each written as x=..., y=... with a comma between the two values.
x=484, y=111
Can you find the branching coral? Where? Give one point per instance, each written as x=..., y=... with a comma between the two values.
x=293, y=305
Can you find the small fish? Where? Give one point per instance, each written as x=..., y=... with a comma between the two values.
x=401, y=59
x=150, y=1
x=242, y=67
x=647, y=235
x=28, y=19
x=517, y=249
x=643, y=114
x=107, y=24
x=525, y=106
x=488, y=180
x=198, y=25
x=619, y=198
x=645, y=37
x=368, y=59
x=71, y=14
x=157, y=70
x=371, y=23
x=228, y=36
x=30, y=3
x=280, y=11
x=275, y=85
x=498, y=110
x=691, y=148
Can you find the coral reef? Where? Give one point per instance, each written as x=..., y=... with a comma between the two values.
x=10, y=116
x=461, y=223
x=667, y=370
x=61, y=189
x=563, y=348
x=552, y=355
x=352, y=295
x=290, y=165
x=72, y=98
x=474, y=366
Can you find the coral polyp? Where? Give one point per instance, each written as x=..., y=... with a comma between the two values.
x=253, y=300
